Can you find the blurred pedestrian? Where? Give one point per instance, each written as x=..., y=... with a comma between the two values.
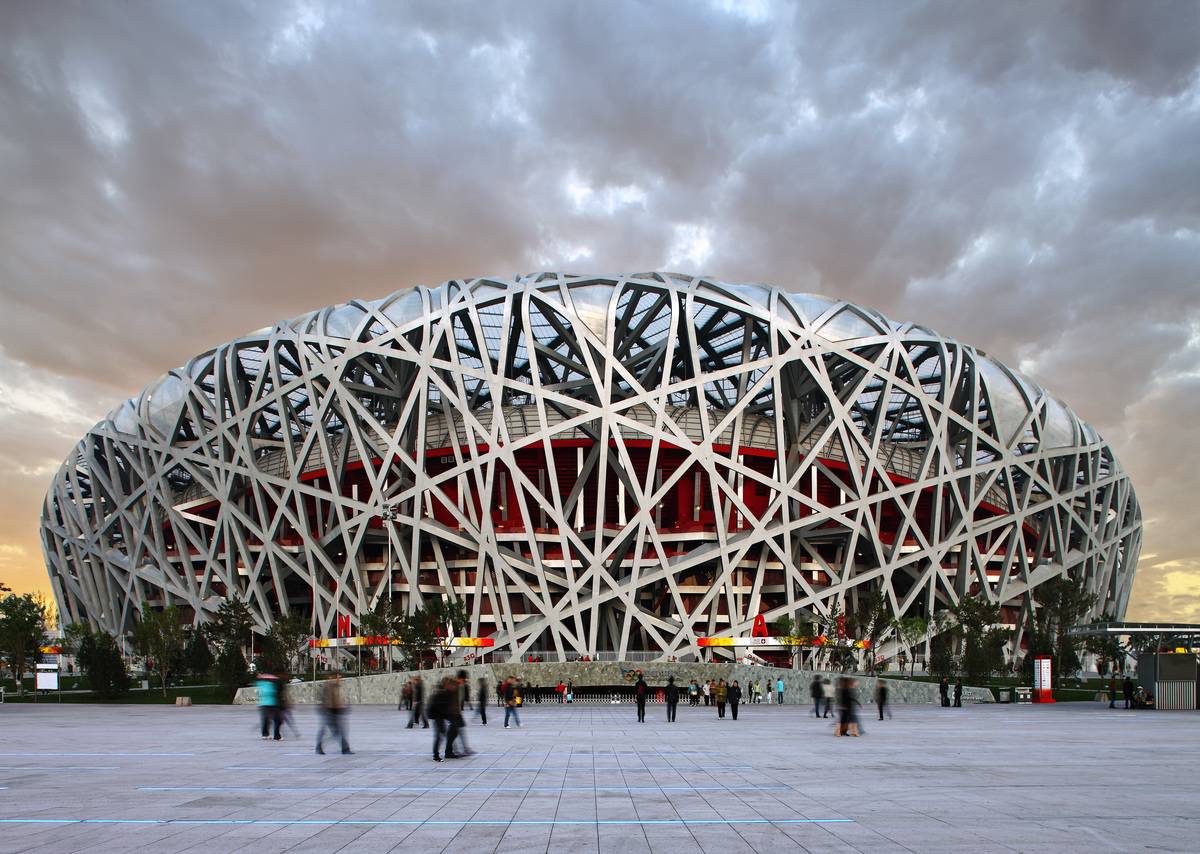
x=284, y=703
x=881, y=699
x=511, y=701
x=482, y=695
x=671, y=695
x=958, y=693
x=827, y=695
x=848, y=714
x=268, y=703
x=1112, y=692
x=734, y=693
x=444, y=711
x=817, y=694
x=1127, y=690
x=640, y=690
x=418, y=704
x=333, y=714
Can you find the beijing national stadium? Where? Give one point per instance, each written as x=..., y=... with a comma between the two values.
x=594, y=466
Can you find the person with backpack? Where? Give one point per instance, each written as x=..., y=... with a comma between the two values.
x=640, y=690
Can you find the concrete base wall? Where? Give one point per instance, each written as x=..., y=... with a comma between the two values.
x=384, y=689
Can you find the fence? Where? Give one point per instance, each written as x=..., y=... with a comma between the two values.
x=1175, y=694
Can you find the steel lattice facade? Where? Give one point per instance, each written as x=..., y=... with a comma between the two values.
x=593, y=465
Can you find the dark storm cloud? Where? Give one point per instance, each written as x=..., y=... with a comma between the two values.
x=1023, y=176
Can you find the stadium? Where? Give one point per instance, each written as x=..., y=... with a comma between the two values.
x=612, y=467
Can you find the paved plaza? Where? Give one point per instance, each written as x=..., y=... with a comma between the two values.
x=1070, y=777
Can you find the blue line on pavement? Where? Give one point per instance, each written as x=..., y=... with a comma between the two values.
x=325, y=769
x=465, y=788
x=47, y=753
x=59, y=767
x=420, y=821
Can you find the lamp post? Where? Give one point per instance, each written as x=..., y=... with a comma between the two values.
x=389, y=515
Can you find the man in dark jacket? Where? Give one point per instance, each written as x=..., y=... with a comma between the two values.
x=958, y=693
x=640, y=690
x=443, y=709
x=1127, y=690
x=671, y=695
x=734, y=693
x=817, y=693
x=944, y=692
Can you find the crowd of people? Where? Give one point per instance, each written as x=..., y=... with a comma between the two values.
x=443, y=708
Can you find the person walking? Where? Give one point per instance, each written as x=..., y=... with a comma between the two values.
x=827, y=695
x=671, y=695
x=735, y=697
x=418, y=704
x=511, y=697
x=881, y=699
x=1112, y=692
x=482, y=694
x=847, y=700
x=766, y=683
x=444, y=712
x=283, y=704
x=1127, y=690
x=405, y=702
x=640, y=690
x=779, y=691
x=706, y=690
x=817, y=694
x=693, y=693
x=722, y=695
x=944, y=692
x=333, y=715
x=268, y=703
x=958, y=693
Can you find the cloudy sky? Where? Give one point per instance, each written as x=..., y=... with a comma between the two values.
x=1023, y=176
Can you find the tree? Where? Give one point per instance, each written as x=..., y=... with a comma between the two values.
x=230, y=670
x=1107, y=649
x=197, y=657
x=871, y=620
x=289, y=635
x=910, y=631
x=230, y=625
x=158, y=637
x=1061, y=603
x=22, y=630
x=980, y=641
x=100, y=658
x=380, y=622
x=789, y=630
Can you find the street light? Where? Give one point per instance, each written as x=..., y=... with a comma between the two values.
x=390, y=513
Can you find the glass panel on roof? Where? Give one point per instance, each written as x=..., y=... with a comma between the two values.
x=405, y=308
x=125, y=419
x=164, y=404
x=1007, y=404
x=591, y=306
x=343, y=321
x=846, y=324
x=809, y=306
x=1059, y=431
